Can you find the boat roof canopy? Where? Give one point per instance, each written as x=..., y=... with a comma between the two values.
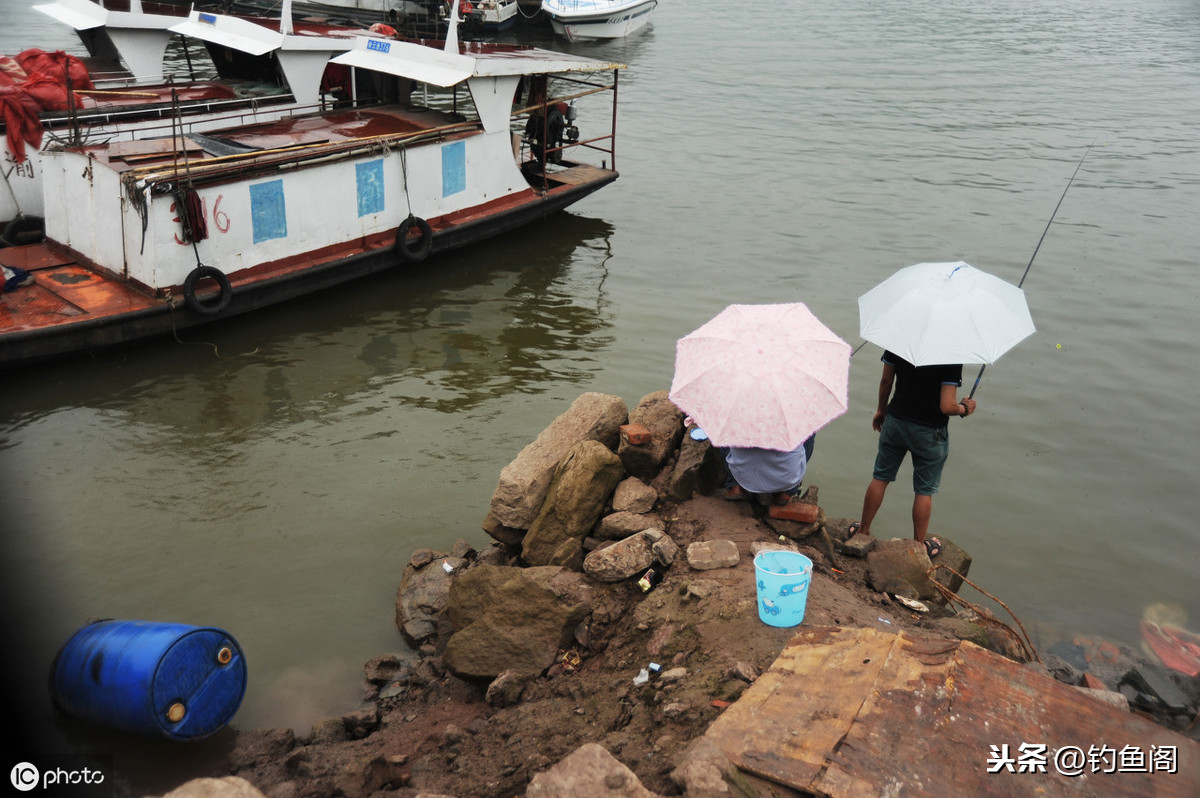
x=440, y=68
x=409, y=60
x=239, y=34
x=255, y=39
x=85, y=15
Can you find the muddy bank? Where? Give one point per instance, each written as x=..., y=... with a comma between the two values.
x=536, y=646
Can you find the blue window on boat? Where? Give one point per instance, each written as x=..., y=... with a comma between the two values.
x=370, y=187
x=268, y=214
x=454, y=168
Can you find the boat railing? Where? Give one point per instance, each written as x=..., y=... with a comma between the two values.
x=118, y=114
x=217, y=169
x=593, y=143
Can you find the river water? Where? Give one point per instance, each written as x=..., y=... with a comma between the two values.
x=273, y=475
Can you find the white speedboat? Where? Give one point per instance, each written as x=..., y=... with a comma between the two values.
x=580, y=20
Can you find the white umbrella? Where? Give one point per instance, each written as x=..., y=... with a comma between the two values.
x=944, y=313
x=766, y=376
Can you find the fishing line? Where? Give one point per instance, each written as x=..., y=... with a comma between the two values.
x=979, y=376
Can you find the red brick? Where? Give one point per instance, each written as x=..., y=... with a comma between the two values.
x=800, y=512
x=635, y=434
x=1092, y=682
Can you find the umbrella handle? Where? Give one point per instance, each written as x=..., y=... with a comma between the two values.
x=978, y=377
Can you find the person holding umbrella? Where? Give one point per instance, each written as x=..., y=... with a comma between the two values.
x=914, y=422
x=926, y=316
x=760, y=380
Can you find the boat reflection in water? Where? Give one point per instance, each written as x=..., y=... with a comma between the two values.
x=508, y=319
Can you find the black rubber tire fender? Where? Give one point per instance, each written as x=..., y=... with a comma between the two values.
x=414, y=250
x=18, y=230
x=209, y=308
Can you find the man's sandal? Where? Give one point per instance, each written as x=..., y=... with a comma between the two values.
x=852, y=530
x=933, y=547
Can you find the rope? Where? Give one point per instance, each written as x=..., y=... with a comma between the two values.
x=952, y=597
x=175, y=330
x=11, y=190
x=528, y=16
x=404, y=172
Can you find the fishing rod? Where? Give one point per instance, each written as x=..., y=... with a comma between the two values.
x=979, y=376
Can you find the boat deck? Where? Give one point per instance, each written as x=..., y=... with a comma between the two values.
x=63, y=292
x=330, y=127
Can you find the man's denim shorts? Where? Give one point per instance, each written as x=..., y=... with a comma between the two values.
x=929, y=447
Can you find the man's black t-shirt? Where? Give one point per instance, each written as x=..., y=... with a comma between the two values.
x=918, y=393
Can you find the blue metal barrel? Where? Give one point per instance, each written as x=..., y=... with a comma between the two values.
x=164, y=679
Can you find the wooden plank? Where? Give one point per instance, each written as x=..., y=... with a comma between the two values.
x=864, y=712
x=157, y=147
x=781, y=728
x=576, y=175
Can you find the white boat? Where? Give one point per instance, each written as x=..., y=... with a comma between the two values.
x=580, y=20
x=146, y=238
x=136, y=37
x=495, y=15
x=145, y=106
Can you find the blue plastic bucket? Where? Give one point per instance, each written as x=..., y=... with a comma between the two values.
x=164, y=679
x=782, y=578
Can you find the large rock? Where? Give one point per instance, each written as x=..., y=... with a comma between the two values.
x=907, y=560
x=624, y=559
x=510, y=619
x=705, y=555
x=581, y=488
x=590, y=770
x=701, y=769
x=634, y=496
x=524, y=482
x=658, y=414
x=421, y=597
x=699, y=469
x=621, y=525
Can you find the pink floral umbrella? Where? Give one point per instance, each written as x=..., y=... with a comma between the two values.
x=766, y=376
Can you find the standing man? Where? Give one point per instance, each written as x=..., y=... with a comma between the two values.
x=916, y=422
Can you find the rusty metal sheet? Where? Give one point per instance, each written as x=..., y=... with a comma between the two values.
x=32, y=256
x=861, y=712
x=62, y=294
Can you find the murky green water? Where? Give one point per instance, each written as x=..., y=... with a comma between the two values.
x=275, y=482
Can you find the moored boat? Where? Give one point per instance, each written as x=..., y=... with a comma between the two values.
x=580, y=20
x=144, y=238
x=265, y=69
x=495, y=15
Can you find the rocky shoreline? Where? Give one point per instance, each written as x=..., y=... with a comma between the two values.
x=540, y=666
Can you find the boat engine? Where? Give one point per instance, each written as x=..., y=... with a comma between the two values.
x=570, y=132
